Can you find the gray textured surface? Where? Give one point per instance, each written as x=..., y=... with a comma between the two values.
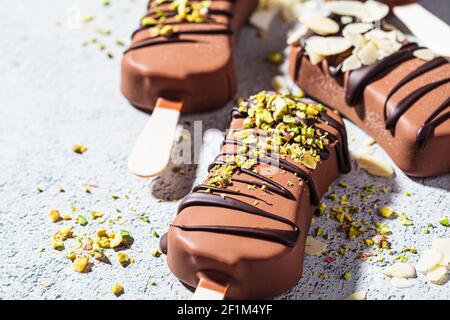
x=55, y=93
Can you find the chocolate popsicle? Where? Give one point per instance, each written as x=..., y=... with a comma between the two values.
x=245, y=227
x=180, y=60
x=400, y=96
x=183, y=51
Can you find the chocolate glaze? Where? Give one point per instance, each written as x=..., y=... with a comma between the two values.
x=275, y=187
x=360, y=78
x=287, y=238
x=409, y=100
x=428, y=66
x=219, y=231
x=193, y=65
x=433, y=121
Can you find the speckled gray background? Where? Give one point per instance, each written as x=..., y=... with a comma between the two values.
x=55, y=93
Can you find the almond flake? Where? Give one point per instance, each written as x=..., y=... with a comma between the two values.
x=321, y=25
x=327, y=46
x=374, y=165
x=424, y=54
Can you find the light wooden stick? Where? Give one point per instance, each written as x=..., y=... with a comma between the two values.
x=208, y=290
x=429, y=29
x=152, y=149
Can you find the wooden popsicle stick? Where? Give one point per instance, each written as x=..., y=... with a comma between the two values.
x=152, y=149
x=209, y=290
x=429, y=29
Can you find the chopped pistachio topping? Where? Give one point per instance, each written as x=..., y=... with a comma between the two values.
x=404, y=220
x=156, y=253
x=347, y=276
x=275, y=58
x=275, y=124
x=117, y=289
x=80, y=264
x=445, y=222
x=124, y=259
x=54, y=215
x=387, y=212
x=79, y=148
x=81, y=220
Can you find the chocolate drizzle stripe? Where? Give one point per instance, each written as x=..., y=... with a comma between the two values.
x=323, y=153
x=433, y=121
x=428, y=66
x=287, y=238
x=227, y=191
x=409, y=100
x=341, y=147
x=298, y=63
x=210, y=32
x=157, y=42
x=360, y=78
x=207, y=199
x=277, y=188
x=285, y=165
x=168, y=13
x=173, y=24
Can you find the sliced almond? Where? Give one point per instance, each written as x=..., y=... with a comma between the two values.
x=424, y=54
x=351, y=63
x=428, y=260
x=360, y=295
x=445, y=261
x=321, y=25
x=345, y=8
x=314, y=247
x=400, y=270
x=368, y=54
x=262, y=18
x=374, y=165
x=353, y=29
x=442, y=245
x=438, y=275
x=346, y=19
x=314, y=57
x=400, y=35
x=373, y=11
x=327, y=46
x=279, y=85
x=294, y=36
x=401, y=283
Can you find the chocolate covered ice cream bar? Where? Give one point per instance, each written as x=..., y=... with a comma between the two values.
x=396, y=91
x=183, y=51
x=245, y=227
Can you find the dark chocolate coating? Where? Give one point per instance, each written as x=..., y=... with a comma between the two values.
x=194, y=65
x=258, y=250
